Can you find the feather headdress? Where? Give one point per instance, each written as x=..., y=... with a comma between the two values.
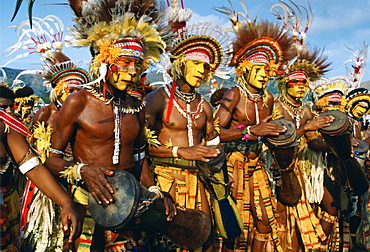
x=112, y=28
x=45, y=35
x=263, y=42
x=309, y=65
x=357, y=96
x=292, y=16
x=328, y=90
x=60, y=73
x=234, y=16
x=358, y=66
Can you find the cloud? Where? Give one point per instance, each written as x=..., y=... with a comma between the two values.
x=221, y=21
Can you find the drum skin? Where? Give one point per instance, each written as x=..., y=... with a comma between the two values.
x=361, y=148
x=338, y=126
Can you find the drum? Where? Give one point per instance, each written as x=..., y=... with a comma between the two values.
x=283, y=150
x=361, y=148
x=337, y=134
x=338, y=137
x=286, y=139
x=136, y=209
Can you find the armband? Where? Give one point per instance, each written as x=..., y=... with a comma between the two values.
x=29, y=165
x=214, y=141
x=56, y=152
x=30, y=161
x=174, y=151
x=139, y=156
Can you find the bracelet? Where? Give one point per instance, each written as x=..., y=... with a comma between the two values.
x=174, y=151
x=157, y=191
x=72, y=173
x=78, y=171
x=245, y=132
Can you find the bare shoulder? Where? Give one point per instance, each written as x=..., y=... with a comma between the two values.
x=156, y=100
x=77, y=101
x=2, y=129
x=158, y=93
x=232, y=93
x=308, y=112
x=42, y=114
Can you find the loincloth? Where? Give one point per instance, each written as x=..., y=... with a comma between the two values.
x=187, y=192
x=243, y=170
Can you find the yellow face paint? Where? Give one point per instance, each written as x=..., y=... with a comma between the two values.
x=195, y=71
x=125, y=72
x=359, y=110
x=297, y=89
x=258, y=75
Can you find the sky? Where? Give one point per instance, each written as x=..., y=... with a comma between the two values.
x=336, y=24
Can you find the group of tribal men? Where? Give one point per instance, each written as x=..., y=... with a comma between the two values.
x=284, y=193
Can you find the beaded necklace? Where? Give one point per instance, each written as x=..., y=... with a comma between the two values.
x=187, y=113
x=296, y=112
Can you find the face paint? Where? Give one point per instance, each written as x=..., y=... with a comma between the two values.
x=258, y=75
x=125, y=72
x=297, y=88
x=359, y=110
x=195, y=71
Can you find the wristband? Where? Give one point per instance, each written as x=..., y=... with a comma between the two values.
x=174, y=151
x=157, y=191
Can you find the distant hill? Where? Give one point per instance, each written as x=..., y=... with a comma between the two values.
x=30, y=80
x=36, y=82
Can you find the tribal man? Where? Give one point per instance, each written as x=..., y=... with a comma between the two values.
x=259, y=50
x=182, y=119
x=103, y=123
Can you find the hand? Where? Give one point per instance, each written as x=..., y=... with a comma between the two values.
x=265, y=128
x=319, y=122
x=170, y=206
x=198, y=152
x=71, y=219
x=97, y=184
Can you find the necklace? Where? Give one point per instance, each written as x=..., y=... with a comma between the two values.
x=118, y=109
x=296, y=112
x=188, y=97
x=253, y=97
x=187, y=113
